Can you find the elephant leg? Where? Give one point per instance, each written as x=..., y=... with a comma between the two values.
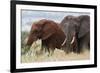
x=85, y=42
x=51, y=51
x=67, y=48
x=44, y=47
x=88, y=45
x=75, y=47
x=45, y=50
x=83, y=45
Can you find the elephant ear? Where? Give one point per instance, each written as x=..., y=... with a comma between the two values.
x=47, y=30
x=84, y=25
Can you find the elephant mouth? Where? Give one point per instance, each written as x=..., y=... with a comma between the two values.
x=72, y=41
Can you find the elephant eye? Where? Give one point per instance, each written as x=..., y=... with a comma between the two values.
x=34, y=31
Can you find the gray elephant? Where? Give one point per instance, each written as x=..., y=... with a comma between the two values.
x=77, y=31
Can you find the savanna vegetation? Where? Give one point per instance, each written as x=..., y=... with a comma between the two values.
x=34, y=54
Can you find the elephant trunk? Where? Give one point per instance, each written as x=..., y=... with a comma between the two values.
x=68, y=41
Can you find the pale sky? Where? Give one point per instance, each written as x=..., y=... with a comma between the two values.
x=30, y=16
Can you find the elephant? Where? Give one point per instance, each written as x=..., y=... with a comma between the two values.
x=49, y=32
x=77, y=31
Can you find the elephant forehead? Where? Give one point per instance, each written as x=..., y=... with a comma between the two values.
x=34, y=27
x=69, y=25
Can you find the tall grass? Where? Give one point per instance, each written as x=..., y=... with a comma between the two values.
x=34, y=53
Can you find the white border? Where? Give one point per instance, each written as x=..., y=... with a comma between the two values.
x=51, y=64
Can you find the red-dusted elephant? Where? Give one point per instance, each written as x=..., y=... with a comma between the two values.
x=49, y=32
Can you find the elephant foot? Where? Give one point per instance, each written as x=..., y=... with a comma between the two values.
x=50, y=52
x=67, y=51
x=76, y=51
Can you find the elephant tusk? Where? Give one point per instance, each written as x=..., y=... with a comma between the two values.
x=64, y=42
x=73, y=40
x=25, y=41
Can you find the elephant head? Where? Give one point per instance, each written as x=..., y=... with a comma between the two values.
x=42, y=29
x=70, y=26
x=75, y=28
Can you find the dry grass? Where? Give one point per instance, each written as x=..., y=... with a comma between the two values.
x=34, y=55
